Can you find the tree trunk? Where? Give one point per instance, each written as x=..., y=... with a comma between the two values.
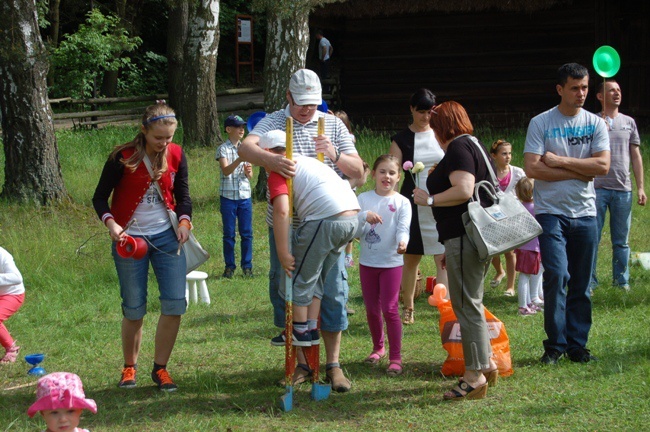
x=176, y=37
x=53, y=37
x=32, y=168
x=287, y=40
x=127, y=11
x=55, y=6
x=200, y=121
x=109, y=83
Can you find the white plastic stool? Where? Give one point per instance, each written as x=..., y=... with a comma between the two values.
x=190, y=287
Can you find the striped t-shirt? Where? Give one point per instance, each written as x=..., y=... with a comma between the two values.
x=303, y=138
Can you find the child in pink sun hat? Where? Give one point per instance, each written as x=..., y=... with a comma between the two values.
x=60, y=399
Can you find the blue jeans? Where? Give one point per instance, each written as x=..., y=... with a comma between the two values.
x=568, y=246
x=235, y=212
x=169, y=269
x=619, y=204
x=334, y=317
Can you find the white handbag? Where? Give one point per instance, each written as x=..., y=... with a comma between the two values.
x=195, y=255
x=503, y=226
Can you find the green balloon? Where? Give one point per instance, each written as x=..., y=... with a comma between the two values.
x=607, y=62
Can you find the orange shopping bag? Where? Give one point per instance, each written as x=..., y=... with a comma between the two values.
x=451, y=338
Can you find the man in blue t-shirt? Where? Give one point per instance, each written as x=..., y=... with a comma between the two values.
x=566, y=147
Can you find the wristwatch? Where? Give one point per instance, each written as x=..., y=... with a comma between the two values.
x=338, y=154
x=430, y=201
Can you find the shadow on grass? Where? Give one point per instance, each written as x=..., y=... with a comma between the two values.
x=252, y=393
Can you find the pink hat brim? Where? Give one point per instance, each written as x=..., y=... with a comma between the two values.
x=45, y=403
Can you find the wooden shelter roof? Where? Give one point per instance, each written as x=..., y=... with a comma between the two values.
x=371, y=8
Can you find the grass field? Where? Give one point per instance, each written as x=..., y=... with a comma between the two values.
x=224, y=365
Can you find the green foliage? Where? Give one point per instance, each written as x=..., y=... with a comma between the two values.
x=84, y=56
x=143, y=75
x=42, y=11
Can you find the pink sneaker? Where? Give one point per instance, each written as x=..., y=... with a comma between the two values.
x=532, y=306
x=524, y=311
x=11, y=355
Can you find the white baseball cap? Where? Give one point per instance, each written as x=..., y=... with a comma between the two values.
x=305, y=88
x=273, y=139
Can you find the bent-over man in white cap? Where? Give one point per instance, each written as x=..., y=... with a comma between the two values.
x=304, y=96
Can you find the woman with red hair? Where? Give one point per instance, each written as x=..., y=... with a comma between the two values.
x=451, y=185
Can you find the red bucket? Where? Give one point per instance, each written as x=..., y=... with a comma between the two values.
x=431, y=282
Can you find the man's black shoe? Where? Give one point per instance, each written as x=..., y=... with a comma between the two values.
x=581, y=355
x=550, y=357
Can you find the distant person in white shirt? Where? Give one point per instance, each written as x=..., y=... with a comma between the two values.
x=325, y=51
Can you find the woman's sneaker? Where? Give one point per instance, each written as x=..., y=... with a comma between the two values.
x=524, y=311
x=128, y=377
x=163, y=380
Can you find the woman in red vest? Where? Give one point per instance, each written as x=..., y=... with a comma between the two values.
x=137, y=209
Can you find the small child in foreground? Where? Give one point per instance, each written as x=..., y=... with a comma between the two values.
x=60, y=399
x=529, y=261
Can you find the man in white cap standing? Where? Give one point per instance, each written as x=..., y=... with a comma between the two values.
x=304, y=96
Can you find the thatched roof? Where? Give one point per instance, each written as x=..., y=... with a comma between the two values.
x=371, y=8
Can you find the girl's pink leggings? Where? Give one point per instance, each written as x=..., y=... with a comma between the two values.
x=380, y=289
x=9, y=304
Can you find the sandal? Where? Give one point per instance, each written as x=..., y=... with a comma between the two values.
x=374, y=358
x=492, y=377
x=407, y=316
x=300, y=375
x=339, y=382
x=11, y=355
x=465, y=391
x=496, y=281
x=394, y=369
x=509, y=293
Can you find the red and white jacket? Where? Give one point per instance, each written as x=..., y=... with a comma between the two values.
x=128, y=187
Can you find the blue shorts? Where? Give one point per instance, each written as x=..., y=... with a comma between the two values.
x=169, y=269
x=334, y=317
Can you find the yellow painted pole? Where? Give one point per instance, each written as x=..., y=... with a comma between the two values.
x=289, y=349
x=321, y=131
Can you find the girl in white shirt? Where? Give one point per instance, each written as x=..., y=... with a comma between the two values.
x=508, y=176
x=381, y=260
x=12, y=296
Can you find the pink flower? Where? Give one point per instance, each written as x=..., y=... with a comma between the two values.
x=414, y=169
